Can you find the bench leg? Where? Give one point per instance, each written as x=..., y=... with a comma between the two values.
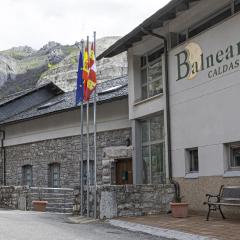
x=221, y=212
x=209, y=210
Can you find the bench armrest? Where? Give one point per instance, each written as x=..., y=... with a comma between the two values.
x=212, y=198
x=211, y=195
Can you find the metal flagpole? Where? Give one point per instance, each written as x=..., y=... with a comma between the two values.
x=88, y=147
x=95, y=133
x=81, y=171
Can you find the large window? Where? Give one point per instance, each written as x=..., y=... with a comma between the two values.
x=27, y=175
x=234, y=159
x=153, y=150
x=54, y=175
x=151, y=74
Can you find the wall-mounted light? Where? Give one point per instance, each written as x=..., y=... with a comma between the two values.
x=128, y=142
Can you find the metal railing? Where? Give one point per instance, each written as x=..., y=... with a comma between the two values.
x=60, y=197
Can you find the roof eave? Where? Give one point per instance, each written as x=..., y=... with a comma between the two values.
x=168, y=12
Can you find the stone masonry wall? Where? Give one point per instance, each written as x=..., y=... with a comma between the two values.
x=14, y=197
x=128, y=200
x=65, y=151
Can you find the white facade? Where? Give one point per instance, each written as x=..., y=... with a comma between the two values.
x=203, y=110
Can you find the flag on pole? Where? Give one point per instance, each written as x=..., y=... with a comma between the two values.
x=92, y=80
x=80, y=86
x=85, y=73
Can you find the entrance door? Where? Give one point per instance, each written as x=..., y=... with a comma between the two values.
x=124, y=171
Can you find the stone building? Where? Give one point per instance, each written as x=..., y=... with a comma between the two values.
x=183, y=71
x=41, y=147
x=41, y=140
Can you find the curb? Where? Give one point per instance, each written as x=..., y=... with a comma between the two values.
x=159, y=232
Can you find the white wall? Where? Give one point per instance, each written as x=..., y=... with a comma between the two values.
x=110, y=116
x=204, y=111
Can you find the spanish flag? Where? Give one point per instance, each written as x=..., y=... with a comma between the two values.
x=92, y=80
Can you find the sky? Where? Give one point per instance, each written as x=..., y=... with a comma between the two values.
x=36, y=22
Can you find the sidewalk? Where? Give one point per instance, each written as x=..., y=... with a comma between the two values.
x=191, y=228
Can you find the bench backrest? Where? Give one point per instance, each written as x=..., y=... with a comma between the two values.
x=230, y=193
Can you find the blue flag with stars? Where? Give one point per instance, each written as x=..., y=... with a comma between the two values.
x=80, y=86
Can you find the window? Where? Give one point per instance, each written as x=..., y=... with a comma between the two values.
x=234, y=163
x=91, y=170
x=206, y=23
x=153, y=156
x=213, y=20
x=151, y=74
x=192, y=160
x=236, y=6
x=54, y=175
x=27, y=175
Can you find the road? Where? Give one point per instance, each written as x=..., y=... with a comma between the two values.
x=20, y=225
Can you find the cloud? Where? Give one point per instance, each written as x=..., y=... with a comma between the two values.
x=35, y=22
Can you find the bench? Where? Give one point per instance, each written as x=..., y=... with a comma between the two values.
x=228, y=196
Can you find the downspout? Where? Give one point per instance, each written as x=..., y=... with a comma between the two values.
x=3, y=153
x=169, y=146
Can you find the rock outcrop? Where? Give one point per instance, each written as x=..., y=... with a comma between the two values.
x=23, y=67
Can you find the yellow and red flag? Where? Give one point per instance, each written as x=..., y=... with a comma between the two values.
x=92, y=80
x=85, y=71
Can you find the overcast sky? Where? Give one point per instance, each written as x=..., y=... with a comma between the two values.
x=35, y=22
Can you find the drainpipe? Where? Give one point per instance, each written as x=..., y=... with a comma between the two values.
x=3, y=151
x=175, y=183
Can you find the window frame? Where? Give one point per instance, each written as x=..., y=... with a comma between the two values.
x=150, y=143
x=230, y=156
x=52, y=167
x=91, y=172
x=233, y=6
x=146, y=67
x=190, y=160
x=25, y=169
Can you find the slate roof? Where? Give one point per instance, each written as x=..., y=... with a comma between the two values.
x=66, y=101
x=17, y=95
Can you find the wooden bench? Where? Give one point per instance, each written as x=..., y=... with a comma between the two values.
x=228, y=196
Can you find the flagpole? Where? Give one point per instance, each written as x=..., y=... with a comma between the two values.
x=88, y=147
x=95, y=134
x=81, y=170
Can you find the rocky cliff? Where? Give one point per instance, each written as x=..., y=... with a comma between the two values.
x=23, y=67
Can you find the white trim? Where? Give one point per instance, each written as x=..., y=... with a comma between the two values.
x=148, y=99
x=231, y=174
x=192, y=175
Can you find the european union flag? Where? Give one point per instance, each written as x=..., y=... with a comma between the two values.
x=80, y=87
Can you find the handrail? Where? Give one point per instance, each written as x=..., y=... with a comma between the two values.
x=48, y=188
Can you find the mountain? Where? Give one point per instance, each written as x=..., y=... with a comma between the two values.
x=23, y=67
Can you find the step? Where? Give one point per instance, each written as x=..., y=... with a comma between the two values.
x=51, y=194
x=54, y=199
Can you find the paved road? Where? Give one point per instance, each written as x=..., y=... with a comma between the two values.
x=19, y=225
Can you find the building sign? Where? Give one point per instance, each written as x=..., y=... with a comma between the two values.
x=192, y=60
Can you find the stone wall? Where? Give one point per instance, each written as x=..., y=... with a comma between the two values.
x=14, y=197
x=128, y=200
x=65, y=151
x=109, y=158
